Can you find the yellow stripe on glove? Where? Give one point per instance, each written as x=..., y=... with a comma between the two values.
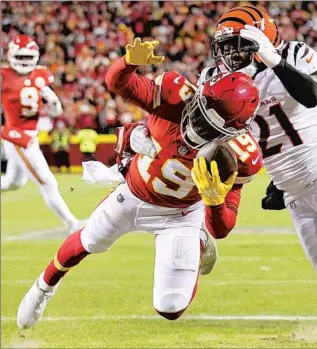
x=142, y=53
x=213, y=192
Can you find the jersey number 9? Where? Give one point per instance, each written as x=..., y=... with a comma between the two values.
x=29, y=98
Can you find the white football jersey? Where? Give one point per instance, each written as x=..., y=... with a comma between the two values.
x=285, y=129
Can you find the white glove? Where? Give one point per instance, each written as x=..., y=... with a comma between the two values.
x=55, y=106
x=267, y=51
x=141, y=143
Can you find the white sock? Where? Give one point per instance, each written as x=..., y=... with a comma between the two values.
x=43, y=285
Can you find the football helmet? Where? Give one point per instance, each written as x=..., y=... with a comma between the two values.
x=23, y=54
x=234, y=52
x=223, y=108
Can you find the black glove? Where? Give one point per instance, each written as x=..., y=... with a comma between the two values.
x=274, y=199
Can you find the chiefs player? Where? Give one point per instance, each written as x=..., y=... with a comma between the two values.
x=166, y=194
x=24, y=86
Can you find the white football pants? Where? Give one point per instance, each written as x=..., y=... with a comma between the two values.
x=177, y=246
x=304, y=215
x=30, y=163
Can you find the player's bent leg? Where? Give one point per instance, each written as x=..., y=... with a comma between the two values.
x=15, y=176
x=35, y=301
x=35, y=164
x=176, y=272
x=306, y=227
x=110, y=220
x=209, y=252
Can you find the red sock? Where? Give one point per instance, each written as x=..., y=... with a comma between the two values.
x=69, y=254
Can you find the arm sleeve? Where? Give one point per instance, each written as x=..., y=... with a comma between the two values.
x=220, y=220
x=300, y=86
x=123, y=80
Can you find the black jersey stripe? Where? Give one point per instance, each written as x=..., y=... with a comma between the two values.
x=285, y=51
x=305, y=52
x=296, y=49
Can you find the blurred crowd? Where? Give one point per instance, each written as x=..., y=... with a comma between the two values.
x=79, y=40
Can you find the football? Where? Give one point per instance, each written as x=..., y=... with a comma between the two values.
x=223, y=154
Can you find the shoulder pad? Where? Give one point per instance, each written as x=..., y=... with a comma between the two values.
x=301, y=56
x=45, y=73
x=168, y=88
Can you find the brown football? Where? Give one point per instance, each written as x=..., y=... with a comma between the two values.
x=223, y=154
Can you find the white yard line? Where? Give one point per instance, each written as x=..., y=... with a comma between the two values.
x=202, y=281
x=201, y=317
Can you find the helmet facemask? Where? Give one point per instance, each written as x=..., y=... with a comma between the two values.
x=22, y=60
x=201, y=124
x=234, y=52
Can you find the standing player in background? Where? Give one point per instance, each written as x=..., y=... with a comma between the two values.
x=24, y=86
x=247, y=39
x=171, y=194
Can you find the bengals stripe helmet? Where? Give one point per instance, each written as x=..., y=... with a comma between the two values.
x=227, y=42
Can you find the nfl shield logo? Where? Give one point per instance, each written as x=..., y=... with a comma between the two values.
x=182, y=150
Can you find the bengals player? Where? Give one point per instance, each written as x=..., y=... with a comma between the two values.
x=160, y=195
x=248, y=39
x=24, y=87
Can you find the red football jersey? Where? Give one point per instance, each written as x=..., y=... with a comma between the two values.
x=21, y=96
x=166, y=180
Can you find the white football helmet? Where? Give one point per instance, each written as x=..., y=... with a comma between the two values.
x=23, y=54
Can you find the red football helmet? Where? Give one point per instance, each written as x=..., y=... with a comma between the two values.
x=23, y=54
x=223, y=107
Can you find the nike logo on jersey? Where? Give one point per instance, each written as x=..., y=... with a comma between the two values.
x=254, y=161
x=177, y=80
x=308, y=59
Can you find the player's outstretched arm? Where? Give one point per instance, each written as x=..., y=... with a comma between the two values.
x=221, y=199
x=297, y=68
x=123, y=80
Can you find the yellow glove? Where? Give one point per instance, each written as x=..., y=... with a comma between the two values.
x=210, y=187
x=142, y=53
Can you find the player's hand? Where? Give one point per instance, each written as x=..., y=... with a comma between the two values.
x=274, y=199
x=210, y=187
x=142, y=53
x=266, y=51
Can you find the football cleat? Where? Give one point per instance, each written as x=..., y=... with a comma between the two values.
x=33, y=305
x=209, y=253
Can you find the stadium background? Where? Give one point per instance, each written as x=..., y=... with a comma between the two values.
x=262, y=293
x=79, y=40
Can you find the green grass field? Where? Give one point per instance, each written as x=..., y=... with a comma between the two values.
x=262, y=294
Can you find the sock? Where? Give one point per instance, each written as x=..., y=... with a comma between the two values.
x=69, y=254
